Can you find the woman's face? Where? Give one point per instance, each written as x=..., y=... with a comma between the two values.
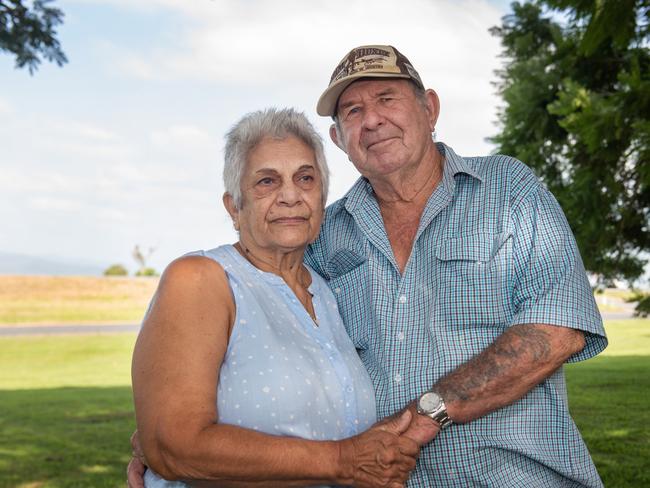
x=282, y=206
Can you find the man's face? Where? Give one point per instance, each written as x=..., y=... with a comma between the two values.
x=384, y=127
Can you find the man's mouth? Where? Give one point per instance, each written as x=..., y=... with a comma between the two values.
x=379, y=143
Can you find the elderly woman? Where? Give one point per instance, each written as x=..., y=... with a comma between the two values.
x=243, y=374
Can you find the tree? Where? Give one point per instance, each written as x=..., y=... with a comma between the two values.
x=576, y=92
x=29, y=32
x=115, y=270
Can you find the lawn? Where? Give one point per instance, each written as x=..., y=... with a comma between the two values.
x=73, y=299
x=66, y=411
x=609, y=399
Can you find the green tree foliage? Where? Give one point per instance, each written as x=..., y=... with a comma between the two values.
x=643, y=304
x=576, y=92
x=29, y=31
x=116, y=270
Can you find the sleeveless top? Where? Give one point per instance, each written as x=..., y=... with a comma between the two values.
x=282, y=373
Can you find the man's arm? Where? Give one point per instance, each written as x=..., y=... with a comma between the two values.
x=517, y=361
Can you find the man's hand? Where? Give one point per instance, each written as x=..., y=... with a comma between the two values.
x=422, y=429
x=135, y=473
x=135, y=469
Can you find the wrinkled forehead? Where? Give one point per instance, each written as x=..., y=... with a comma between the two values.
x=284, y=154
x=373, y=87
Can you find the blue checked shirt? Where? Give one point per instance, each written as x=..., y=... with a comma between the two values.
x=493, y=249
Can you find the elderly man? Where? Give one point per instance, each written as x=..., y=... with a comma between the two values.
x=460, y=283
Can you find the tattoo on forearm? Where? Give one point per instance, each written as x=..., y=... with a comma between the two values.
x=498, y=365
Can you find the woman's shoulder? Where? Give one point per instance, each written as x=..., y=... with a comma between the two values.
x=194, y=271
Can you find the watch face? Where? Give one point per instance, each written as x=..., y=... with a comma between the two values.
x=429, y=402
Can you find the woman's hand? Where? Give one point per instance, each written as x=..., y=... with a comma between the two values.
x=380, y=457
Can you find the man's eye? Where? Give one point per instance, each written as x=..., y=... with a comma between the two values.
x=265, y=181
x=353, y=111
x=386, y=99
x=306, y=178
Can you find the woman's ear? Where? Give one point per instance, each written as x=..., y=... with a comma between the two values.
x=233, y=211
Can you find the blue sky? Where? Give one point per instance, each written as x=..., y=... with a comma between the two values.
x=123, y=145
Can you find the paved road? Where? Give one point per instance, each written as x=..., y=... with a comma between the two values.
x=67, y=329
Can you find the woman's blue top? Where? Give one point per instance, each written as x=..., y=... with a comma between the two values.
x=283, y=374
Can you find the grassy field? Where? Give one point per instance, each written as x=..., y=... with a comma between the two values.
x=609, y=399
x=66, y=299
x=66, y=410
x=87, y=299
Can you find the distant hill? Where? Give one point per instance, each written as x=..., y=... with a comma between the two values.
x=20, y=264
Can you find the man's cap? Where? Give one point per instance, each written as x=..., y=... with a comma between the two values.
x=375, y=61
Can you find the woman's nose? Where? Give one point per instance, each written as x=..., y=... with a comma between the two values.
x=289, y=194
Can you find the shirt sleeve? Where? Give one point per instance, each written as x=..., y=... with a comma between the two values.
x=551, y=285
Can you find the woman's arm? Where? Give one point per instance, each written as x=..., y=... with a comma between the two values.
x=175, y=370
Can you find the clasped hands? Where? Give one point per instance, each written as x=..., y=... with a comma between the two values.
x=385, y=455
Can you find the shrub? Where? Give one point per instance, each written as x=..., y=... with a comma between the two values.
x=116, y=270
x=146, y=272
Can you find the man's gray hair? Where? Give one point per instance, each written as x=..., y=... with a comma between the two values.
x=242, y=138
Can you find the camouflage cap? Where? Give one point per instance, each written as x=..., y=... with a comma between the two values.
x=365, y=62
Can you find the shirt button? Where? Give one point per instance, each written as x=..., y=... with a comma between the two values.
x=400, y=336
x=398, y=378
x=337, y=290
x=350, y=389
x=402, y=299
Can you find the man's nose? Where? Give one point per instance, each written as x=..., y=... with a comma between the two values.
x=372, y=118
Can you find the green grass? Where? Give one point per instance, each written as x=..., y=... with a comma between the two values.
x=66, y=411
x=609, y=399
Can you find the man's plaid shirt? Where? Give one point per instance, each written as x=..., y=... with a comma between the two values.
x=493, y=250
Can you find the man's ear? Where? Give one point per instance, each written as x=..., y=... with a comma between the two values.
x=334, y=135
x=229, y=203
x=433, y=107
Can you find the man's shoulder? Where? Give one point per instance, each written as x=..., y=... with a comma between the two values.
x=499, y=166
x=337, y=218
x=505, y=175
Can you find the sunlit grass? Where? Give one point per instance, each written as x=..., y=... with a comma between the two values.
x=66, y=409
x=73, y=299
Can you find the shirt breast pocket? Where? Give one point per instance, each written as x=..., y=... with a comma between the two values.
x=473, y=279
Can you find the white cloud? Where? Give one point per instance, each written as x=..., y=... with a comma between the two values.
x=258, y=43
x=289, y=48
x=5, y=107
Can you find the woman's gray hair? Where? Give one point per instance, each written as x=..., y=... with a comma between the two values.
x=242, y=138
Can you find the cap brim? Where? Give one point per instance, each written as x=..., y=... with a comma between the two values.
x=329, y=99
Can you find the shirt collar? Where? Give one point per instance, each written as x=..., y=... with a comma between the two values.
x=362, y=190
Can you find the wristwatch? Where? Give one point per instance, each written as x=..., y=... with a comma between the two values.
x=432, y=405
